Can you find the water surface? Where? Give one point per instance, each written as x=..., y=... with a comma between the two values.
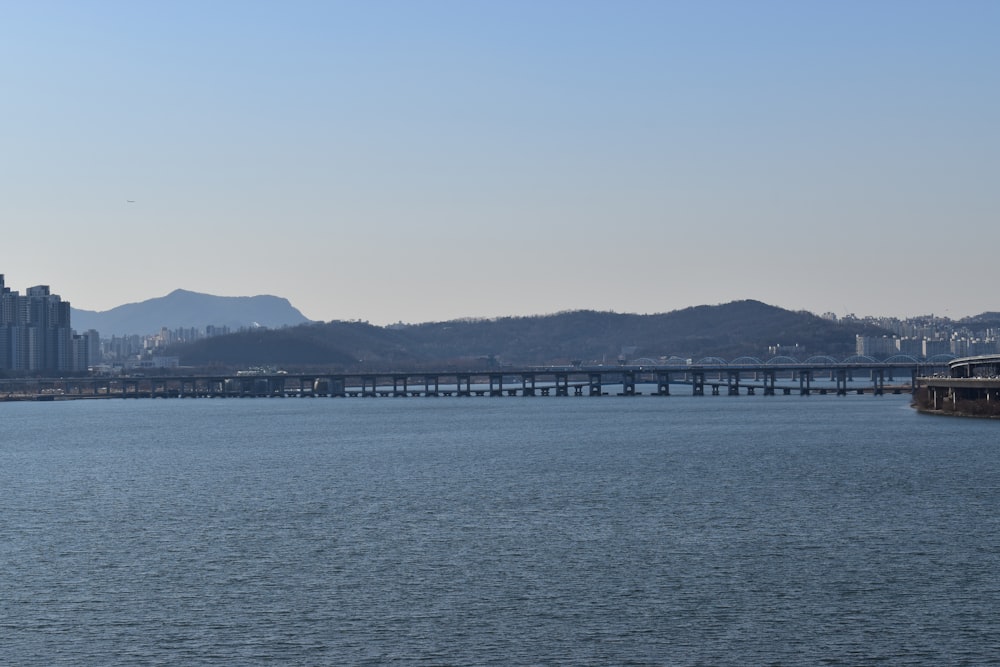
x=504, y=531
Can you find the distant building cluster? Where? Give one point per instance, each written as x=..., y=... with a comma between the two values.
x=137, y=351
x=35, y=333
x=926, y=337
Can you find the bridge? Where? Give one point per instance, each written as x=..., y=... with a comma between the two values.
x=712, y=376
x=971, y=387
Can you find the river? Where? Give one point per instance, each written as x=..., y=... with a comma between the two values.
x=498, y=531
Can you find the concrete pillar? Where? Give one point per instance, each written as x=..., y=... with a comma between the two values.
x=496, y=384
x=662, y=383
x=628, y=383
x=595, y=384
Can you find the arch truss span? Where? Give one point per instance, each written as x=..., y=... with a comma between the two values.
x=781, y=360
x=746, y=361
x=860, y=359
x=902, y=359
x=673, y=360
x=820, y=360
x=712, y=361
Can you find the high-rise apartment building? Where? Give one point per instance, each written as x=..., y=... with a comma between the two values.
x=35, y=333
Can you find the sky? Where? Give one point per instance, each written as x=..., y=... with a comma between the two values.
x=431, y=160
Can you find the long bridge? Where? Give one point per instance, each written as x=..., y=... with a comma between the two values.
x=710, y=376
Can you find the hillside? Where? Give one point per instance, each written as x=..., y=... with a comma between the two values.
x=729, y=331
x=182, y=308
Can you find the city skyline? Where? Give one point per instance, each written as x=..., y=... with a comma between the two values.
x=36, y=334
x=444, y=160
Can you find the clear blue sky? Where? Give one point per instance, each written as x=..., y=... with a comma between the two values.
x=433, y=160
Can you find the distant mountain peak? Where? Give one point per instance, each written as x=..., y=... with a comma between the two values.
x=188, y=309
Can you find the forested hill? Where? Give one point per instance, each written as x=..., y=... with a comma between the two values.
x=729, y=331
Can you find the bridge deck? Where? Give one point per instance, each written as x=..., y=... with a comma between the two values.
x=552, y=381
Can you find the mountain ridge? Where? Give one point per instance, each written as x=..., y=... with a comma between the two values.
x=185, y=308
x=739, y=328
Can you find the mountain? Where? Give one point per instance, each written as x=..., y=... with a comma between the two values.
x=182, y=308
x=729, y=331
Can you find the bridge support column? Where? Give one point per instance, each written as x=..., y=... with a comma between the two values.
x=769, y=380
x=562, y=384
x=595, y=384
x=698, y=383
x=662, y=384
x=733, y=383
x=805, y=382
x=496, y=384
x=528, y=384
x=628, y=383
x=878, y=381
x=841, y=382
x=468, y=385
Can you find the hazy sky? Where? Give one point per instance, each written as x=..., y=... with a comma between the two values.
x=430, y=160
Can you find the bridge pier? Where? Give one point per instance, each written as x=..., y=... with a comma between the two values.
x=698, y=383
x=805, y=382
x=769, y=379
x=733, y=383
x=841, y=382
x=595, y=384
x=562, y=384
x=662, y=384
x=878, y=381
x=628, y=383
x=496, y=384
